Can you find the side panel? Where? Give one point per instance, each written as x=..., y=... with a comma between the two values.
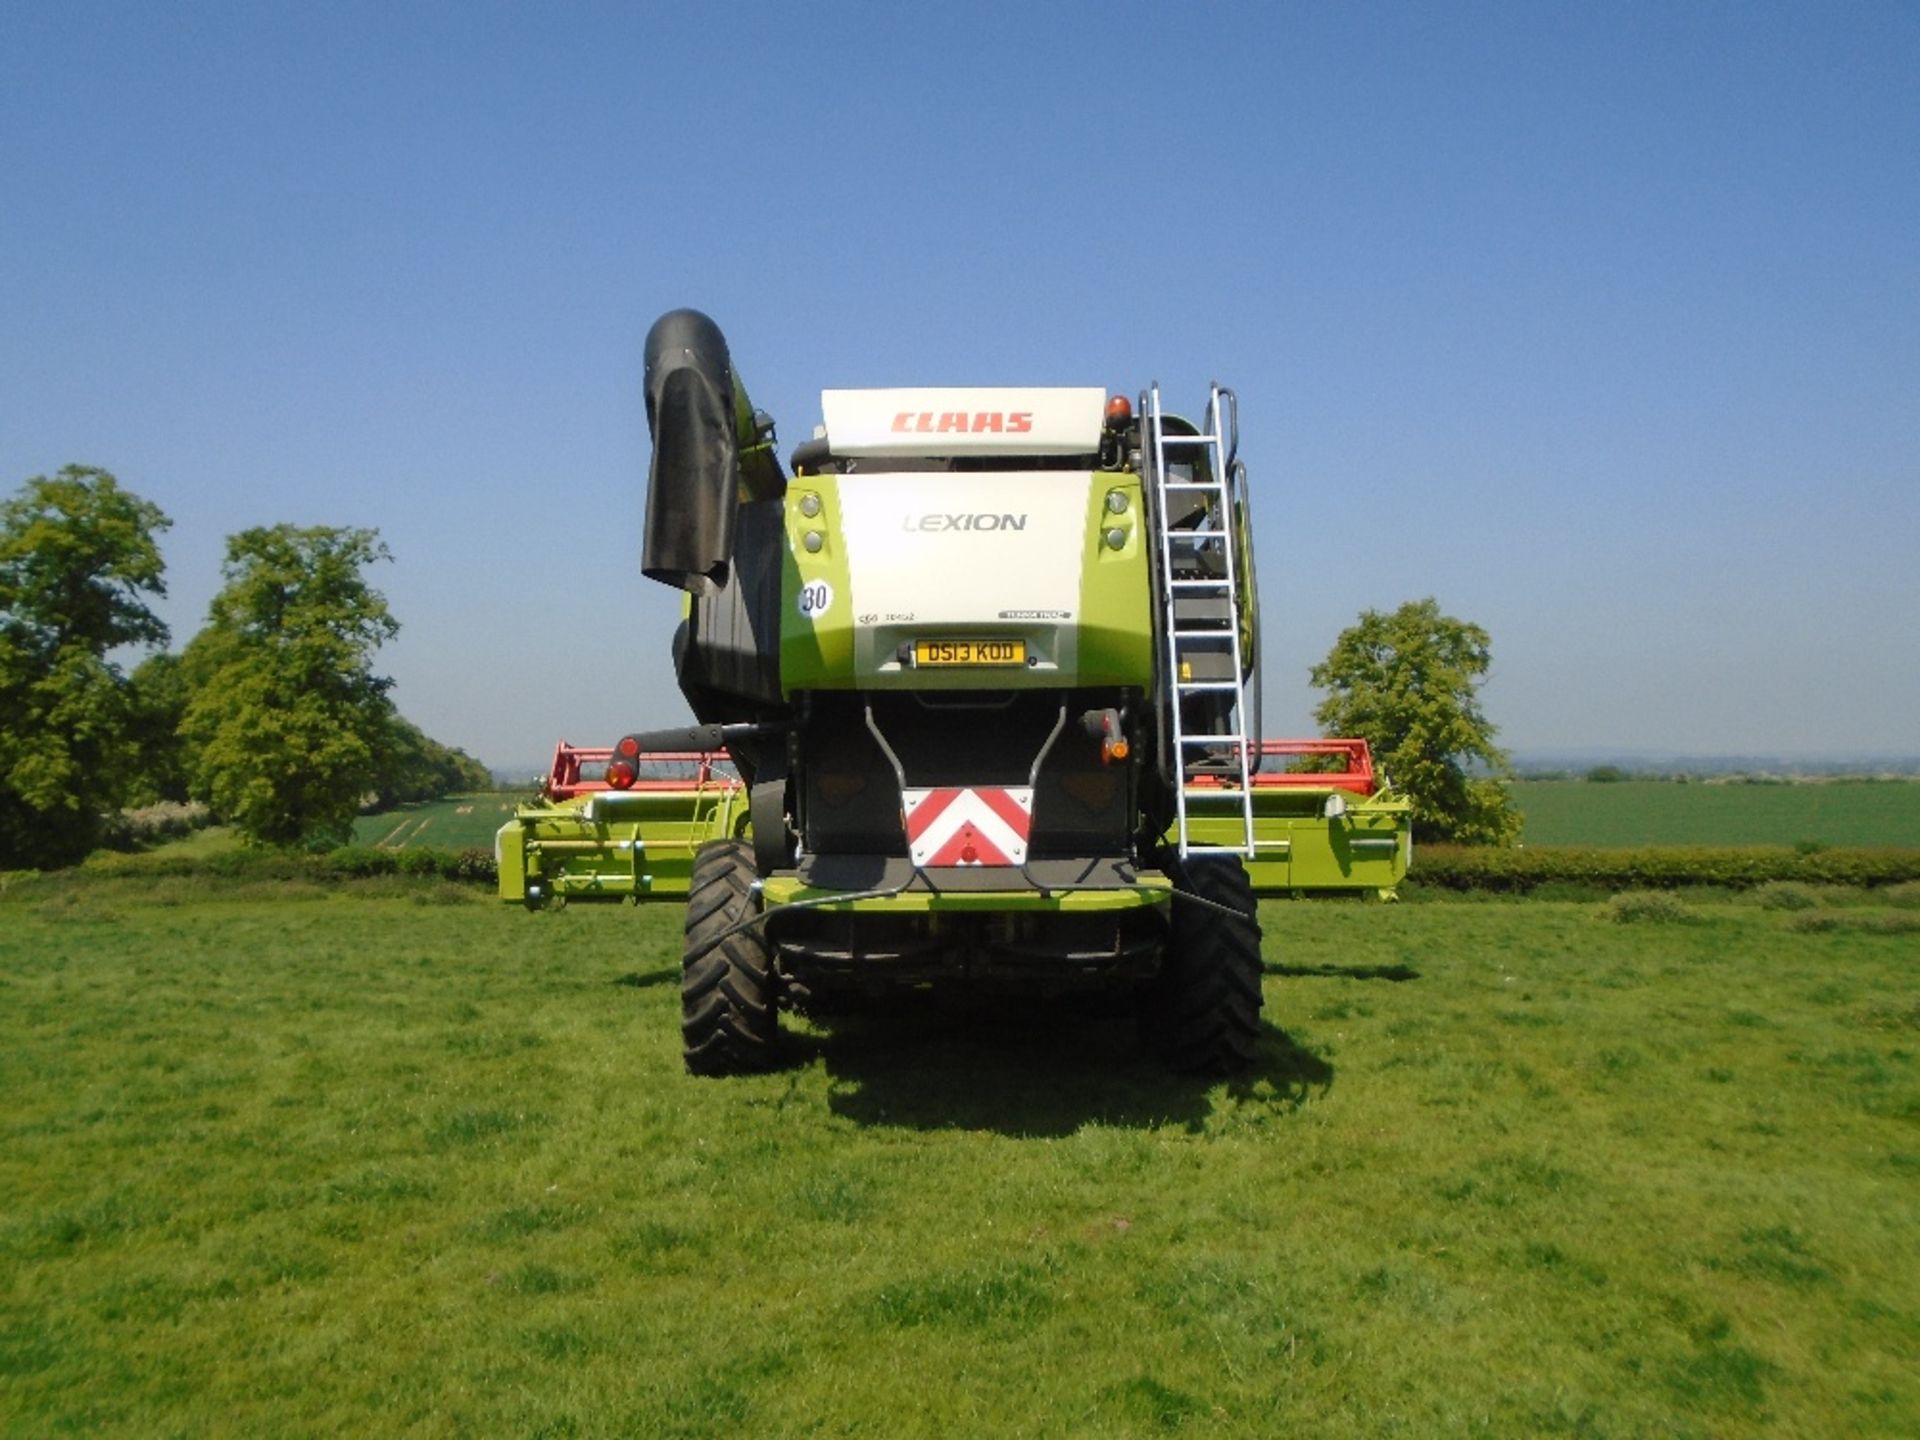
x=637, y=845
x=1116, y=616
x=510, y=859
x=1299, y=849
x=816, y=601
x=728, y=654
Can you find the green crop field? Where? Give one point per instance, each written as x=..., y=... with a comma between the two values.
x=394, y=1159
x=459, y=822
x=1662, y=812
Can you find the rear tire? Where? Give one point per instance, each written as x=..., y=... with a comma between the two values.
x=1201, y=1013
x=729, y=994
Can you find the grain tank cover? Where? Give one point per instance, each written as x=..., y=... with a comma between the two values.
x=965, y=421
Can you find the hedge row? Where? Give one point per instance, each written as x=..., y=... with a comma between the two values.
x=1439, y=867
x=356, y=861
x=1662, y=867
x=350, y=862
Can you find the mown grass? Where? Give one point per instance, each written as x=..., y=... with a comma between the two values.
x=1660, y=812
x=305, y=1163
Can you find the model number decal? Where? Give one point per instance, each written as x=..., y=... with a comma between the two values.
x=816, y=598
x=987, y=521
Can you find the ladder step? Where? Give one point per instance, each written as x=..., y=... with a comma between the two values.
x=1201, y=666
x=1185, y=687
x=1219, y=584
x=1213, y=739
x=1210, y=485
x=1217, y=609
x=1166, y=439
x=1221, y=634
x=1206, y=656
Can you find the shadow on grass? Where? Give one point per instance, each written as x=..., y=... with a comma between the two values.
x=638, y=980
x=1028, y=1071
x=1395, y=973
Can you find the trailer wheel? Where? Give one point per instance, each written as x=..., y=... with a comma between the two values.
x=1202, y=1011
x=729, y=1020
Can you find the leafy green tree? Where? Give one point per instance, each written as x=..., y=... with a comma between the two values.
x=1408, y=683
x=157, y=704
x=78, y=564
x=287, y=720
x=415, y=767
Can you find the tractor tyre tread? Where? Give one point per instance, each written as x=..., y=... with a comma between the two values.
x=729, y=994
x=1202, y=1012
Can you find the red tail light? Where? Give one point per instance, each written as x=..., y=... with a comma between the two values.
x=628, y=746
x=619, y=774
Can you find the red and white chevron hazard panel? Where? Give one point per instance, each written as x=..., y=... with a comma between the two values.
x=972, y=826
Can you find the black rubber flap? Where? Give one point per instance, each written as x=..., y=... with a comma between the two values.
x=693, y=481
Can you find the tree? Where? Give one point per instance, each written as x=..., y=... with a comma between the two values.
x=78, y=564
x=414, y=767
x=1407, y=682
x=157, y=704
x=287, y=720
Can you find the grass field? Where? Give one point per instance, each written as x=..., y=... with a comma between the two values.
x=1558, y=812
x=402, y=1161
x=459, y=822
x=1659, y=812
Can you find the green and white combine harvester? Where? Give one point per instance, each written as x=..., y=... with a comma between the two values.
x=977, y=707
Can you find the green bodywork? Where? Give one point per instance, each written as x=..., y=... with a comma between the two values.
x=1152, y=889
x=1308, y=838
x=1109, y=635
x=1298, y=850
x=810, y=654
x=640, y=846
x=633, y=845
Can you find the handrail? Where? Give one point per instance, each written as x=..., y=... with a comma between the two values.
x=1357, y=778
x=565, y=779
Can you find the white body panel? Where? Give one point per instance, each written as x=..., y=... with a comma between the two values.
x=977, y=555
x=965, y=421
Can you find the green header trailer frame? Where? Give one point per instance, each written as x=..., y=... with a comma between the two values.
x=1335, y=829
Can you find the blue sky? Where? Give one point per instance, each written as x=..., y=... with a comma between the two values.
x=1600, y=323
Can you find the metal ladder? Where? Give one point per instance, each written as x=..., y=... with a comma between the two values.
x=1199, y=611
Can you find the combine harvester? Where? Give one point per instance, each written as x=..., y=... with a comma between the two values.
x=978, y=707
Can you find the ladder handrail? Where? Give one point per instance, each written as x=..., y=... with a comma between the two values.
x=1219, y=443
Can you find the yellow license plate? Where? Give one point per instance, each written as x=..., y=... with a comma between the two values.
x=969, y=652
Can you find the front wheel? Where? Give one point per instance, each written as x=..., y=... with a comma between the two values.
x=729, y=995
x=1202, y=1011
